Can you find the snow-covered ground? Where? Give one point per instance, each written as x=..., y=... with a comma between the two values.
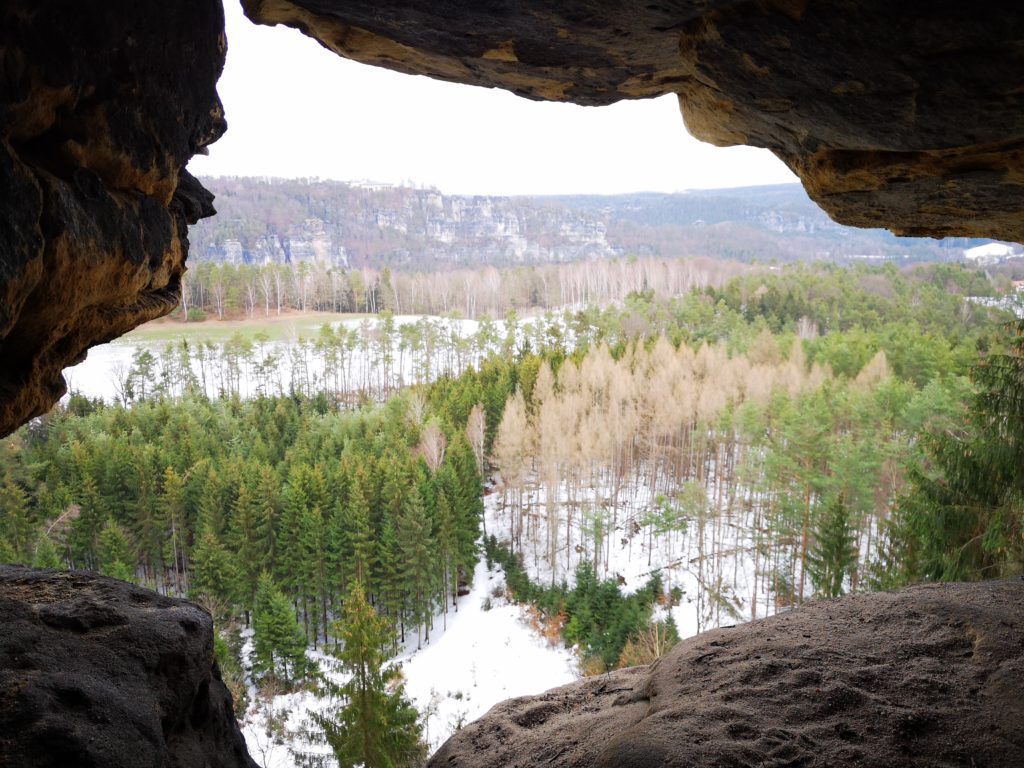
x=712, y=561
x=484, y=657
x=447, y=345
x=487, y=654
x=101, y=374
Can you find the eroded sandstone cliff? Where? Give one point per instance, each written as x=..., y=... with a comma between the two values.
x=101, y=107
x=902, y=115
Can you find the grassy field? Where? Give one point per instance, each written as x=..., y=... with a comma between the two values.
x=281, y=327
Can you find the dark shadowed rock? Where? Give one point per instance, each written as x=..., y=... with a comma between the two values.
x=98, y=673
x=927, y=676
x=101, y=106
x=908, y=116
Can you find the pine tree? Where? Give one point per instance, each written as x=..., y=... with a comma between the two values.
x=279, y=645
x=376, y=727
x=962, y=519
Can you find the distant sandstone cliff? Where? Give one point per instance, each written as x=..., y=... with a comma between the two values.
x=348, y=225
x=263, y=221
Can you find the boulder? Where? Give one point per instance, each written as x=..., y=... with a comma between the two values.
x=97, y=673
x=926, y=676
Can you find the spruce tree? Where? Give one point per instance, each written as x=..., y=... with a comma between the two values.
x=287, y=563
x=360, y=558
x=244, y=540
x=86, y=528
x=447, y=552
x=213, y=571
x=46, y=554
x=7, y=555
x=312, y=572
x=414, y=542
x=394, y=487
x=389, y=578
x=832, y=555
x=268, y=500
x=16, y=520
x=466, y=499
x=279, y=645
x=376, y=727
x=114, y=552
x=175, y=527
x=336, y=546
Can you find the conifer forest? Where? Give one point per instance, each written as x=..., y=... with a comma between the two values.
x=645, y=456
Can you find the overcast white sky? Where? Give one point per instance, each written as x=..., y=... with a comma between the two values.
x=296, y=109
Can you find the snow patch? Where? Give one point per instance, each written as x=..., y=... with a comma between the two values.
x=487, y=653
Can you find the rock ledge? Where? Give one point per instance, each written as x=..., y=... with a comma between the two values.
x=926, y=676
x=97, y=672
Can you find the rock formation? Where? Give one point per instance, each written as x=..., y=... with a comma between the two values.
x=925, y=676
x=331, y=223
x=101, y=107
x=902, y=115
x=98, y=673
x=907, y=116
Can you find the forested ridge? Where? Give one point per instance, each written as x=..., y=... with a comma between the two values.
x=361, y=225
x=727, y=453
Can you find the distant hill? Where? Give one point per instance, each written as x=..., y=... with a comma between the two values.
x=290, y=220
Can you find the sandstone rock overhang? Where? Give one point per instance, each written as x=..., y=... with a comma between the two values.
x=95, y=672
x=925, y=676
x=903, y=115
x=101, y=107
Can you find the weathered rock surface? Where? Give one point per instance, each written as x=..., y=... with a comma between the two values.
x=96, y=672
x=101, y=107
x=908, y=116
x=927, y=676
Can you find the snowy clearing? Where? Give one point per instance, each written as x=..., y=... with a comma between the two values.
x=483, y=657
